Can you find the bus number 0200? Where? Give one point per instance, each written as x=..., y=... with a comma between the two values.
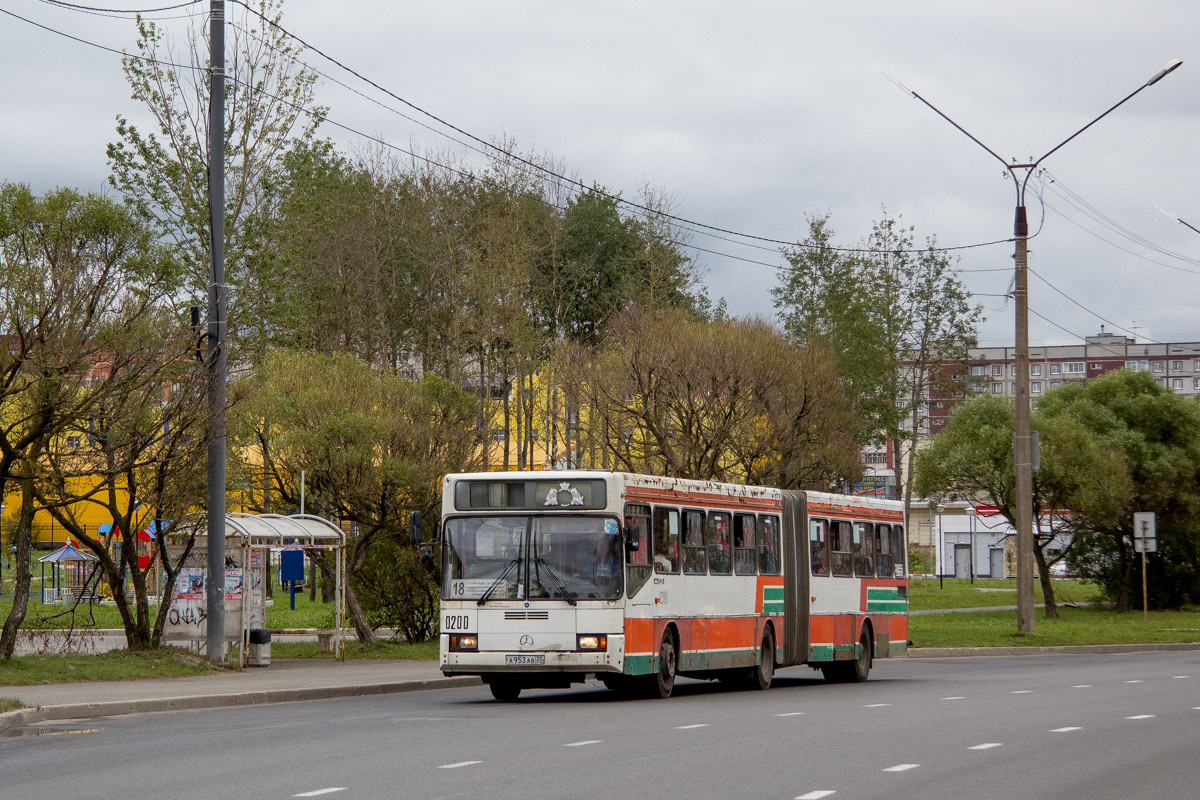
x=454, y=622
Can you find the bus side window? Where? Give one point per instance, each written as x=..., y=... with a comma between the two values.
x=768, y=545
x=883, y=551
x=718, y=543
x=744, y=545
x=818, y=546
x=695, y=557
x=864, y=534
x=637, y=522
x=841, y=559
x=666, y=540
x=899, y=566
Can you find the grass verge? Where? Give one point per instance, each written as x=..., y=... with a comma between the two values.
x=165, y=662
x=931, y=593
x=1073, y=626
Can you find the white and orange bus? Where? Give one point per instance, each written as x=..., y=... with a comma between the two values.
x=548, y=577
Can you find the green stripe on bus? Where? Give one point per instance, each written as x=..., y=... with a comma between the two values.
x=639, y=665
x=772, y=593
x=773, y=608
x=889, y=606
x=826, y=652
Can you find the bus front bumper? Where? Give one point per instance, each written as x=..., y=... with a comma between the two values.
x=611, y=660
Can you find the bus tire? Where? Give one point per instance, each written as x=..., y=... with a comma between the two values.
x=668, y=663
x=862, y=663
x=764, y=673
x=855, y=671
x=505, y=690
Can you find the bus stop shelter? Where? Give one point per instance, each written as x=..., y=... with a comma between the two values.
x=249, y=539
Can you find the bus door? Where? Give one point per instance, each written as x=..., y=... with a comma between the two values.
x=795, y=577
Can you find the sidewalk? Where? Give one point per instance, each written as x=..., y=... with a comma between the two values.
x=284, y=680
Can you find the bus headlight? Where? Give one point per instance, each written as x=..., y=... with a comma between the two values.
x=461, y=642
x=592, y=641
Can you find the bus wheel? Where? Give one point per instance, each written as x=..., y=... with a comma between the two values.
x=862, y=664
x=765, y=671
x=668, y=661
x=505, y=690
x=855, y=671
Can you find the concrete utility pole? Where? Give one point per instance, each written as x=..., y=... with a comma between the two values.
x=215, y=353
x=1022, y=452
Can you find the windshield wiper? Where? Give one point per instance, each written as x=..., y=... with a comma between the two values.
x=557, y=581
x=496, y=584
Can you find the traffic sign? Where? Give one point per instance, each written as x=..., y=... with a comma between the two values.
x=1145, y=540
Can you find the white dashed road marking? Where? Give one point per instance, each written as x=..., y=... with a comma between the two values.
x=581, y=744
x=877, y=705
x=458, y=764
x=902, y=768
x=1133, y=681
x=1082, y=686
x=1141, y=716
x=1177, y=677
x=817, y=795
x=791, y=714
x=1022, y=691
x=689, y=727
x=319, y=792
x=985, y=746
x=954, y=698
x=1067, y=729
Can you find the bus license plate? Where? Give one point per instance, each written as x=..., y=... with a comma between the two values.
x=523, y=660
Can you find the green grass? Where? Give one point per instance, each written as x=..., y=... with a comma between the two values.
x=930, y=593
x=166, y=662
x=424, y=651
x=1074, y=626
x=308, y=614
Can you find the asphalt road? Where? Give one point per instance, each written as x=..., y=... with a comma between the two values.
x=1065, y=726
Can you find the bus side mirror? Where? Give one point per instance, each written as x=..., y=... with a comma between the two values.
x=632, y=540
x=414, y=527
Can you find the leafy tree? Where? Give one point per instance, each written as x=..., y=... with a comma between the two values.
x=724, y=401
x=899, y=321
x=373, y=445
x=80, y=275
x=133, y=457
x=1150, y=438
x=163, y=173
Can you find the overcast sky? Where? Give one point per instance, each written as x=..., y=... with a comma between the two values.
x=751, y=116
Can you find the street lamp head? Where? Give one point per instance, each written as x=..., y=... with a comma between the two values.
x=1171, y=66
x=972, y=511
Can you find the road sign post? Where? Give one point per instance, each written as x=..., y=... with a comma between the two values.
x=1145, y=540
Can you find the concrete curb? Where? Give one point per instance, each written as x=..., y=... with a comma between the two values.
x=30, y=716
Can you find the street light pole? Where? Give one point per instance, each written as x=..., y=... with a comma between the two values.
x=1022, y=452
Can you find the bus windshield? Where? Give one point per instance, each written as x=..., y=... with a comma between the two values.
x=560, y=557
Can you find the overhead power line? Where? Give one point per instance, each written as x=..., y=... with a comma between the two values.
x=571, y=181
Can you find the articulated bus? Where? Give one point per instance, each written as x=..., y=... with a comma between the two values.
x=549, y=577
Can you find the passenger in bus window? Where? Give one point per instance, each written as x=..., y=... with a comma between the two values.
x=718, y=543
x=743, y=546
x=816, y=545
